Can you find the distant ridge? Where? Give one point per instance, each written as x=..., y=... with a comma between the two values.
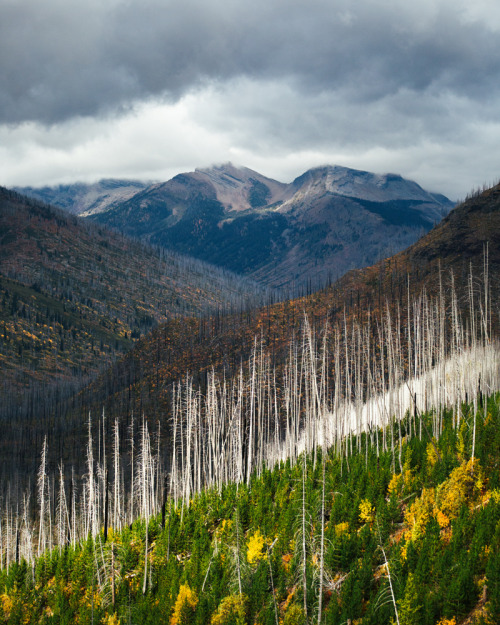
x=86, y=199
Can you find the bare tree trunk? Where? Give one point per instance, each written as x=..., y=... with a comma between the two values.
x=304, y=550
x=322, y=546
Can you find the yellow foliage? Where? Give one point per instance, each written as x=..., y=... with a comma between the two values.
x=114, y=536
x=463, y=486
x=231, y=610
x=224, y=528
x=227, y=524
x=404, y=552
x=447, y=621
x=395, y=485
x=7, y=605
x=341, y=529
x=111, y=619
x=431, y=454
x=442, y=519
x=289, y=599
x=186, y=601
x=255, y=548
x=495, y=495
x=366, y=512
x=420, y=512
x=294, y=615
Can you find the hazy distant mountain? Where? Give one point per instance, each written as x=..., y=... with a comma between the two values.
x=327, y=221
x=86, y=199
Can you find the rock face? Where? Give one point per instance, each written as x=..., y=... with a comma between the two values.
x=327, y=221
x=240, y=188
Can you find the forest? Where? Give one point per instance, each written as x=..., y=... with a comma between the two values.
x=74, y=296
x=351, y=537
x=356, y=482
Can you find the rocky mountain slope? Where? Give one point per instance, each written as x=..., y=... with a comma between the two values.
x=327, y=221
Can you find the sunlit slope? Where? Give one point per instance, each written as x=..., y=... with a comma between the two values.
x=370, y=534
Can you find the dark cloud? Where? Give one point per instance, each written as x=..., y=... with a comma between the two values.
x=61, y=59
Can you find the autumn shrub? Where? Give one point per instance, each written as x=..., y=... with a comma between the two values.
x=231, y=611
x=184, y=607
x=255, y=551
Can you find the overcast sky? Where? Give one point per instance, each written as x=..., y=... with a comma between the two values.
x=149, y=88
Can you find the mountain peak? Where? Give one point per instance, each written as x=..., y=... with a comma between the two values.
x=241, y=188
x=360, y=184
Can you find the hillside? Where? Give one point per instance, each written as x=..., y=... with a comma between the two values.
x=327, y=221
x=458, y=244
x=212, y=431
x=73, y=295
x=141, y=382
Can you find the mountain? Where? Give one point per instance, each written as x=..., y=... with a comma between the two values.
x=327, y=221
x=73, y=295
x=85, y=199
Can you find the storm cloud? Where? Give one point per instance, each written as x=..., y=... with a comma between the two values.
x=306, y=75
x=61, y=59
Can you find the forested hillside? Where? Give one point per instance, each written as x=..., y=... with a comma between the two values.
x=359, y=375
x=142, y=382
x=344, y=537
x=73, y=295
